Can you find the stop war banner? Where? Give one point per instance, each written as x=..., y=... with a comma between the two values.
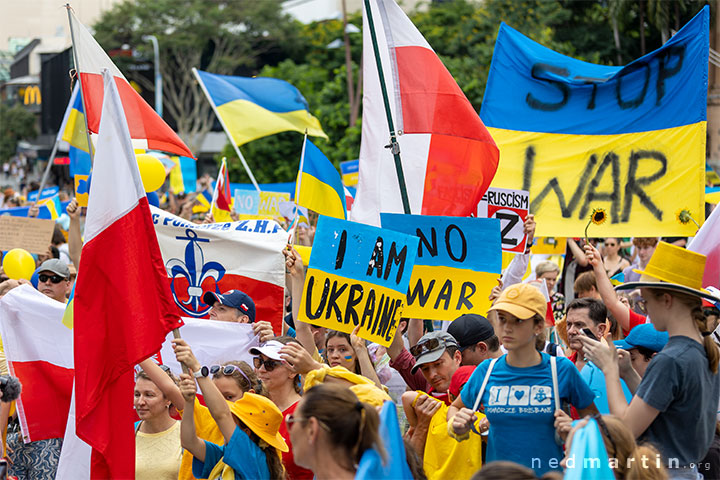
x=457, y=265
x=217, y=257
x=579, y=136
x=358, y=275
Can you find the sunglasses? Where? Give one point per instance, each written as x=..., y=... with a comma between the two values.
x=228, y=370
x=53, y=278
x=428, y=346
x=269, y=363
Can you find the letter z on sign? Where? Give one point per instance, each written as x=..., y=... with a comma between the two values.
x=511, y=208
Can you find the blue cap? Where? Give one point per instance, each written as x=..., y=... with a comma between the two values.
x=645, y=336
x=234, y=299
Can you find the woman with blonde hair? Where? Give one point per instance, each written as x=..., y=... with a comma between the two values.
x=549, y=271
x=676, y=400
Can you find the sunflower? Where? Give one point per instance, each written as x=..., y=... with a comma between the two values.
x=598, y=217
x=684, y=217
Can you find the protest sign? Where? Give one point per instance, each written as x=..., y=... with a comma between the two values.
x=458, y=263
x=31, y=234
x=269, y=203
x=549, y=245
x=46, y=193
x=350, y=172
x=579, y=136
x=217, y=257
x=82, y=189
x=247, y=202
x=511, y=208
x=358, y=275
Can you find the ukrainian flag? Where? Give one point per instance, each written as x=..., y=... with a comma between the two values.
x=69, y=317
x=72, y=130
x=252, y=108
x=320, y=187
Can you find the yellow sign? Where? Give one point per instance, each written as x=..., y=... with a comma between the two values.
x=549, y=245
x=269, y=202
x=641, y=179
x=32, y=95
x=82, y=189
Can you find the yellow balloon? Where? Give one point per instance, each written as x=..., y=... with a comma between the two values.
x=152, y=171
x=18, y=263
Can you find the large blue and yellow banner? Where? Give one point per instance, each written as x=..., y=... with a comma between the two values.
x=358, y=275
x=579, y=136
x=458, y=263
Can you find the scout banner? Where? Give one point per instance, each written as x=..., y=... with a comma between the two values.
x=580, y=136
x=511, y=208
x=217, y=257
x=358, y=275
x=457, y=265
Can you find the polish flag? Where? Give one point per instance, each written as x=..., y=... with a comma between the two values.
x=123, y=305
x=448, y=156
x=349, y=199
x=39, y=352
x=222, y=197
x=147, y=129
x=707, y=242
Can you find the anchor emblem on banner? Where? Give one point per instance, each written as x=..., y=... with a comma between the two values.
x=195, y=271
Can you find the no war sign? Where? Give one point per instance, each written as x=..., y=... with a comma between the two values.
x=358, y=275
x=458, y=262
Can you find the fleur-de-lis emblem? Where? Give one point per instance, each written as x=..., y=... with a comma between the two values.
x=195, y=271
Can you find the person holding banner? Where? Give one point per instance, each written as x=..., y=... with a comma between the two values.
x=283, y=385
x=675, y=404
x=249, y=426
x=522, y=390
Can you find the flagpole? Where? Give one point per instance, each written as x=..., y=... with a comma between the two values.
x=227, y=132
x=82, y=97
x=291, y=240
x=394, y=145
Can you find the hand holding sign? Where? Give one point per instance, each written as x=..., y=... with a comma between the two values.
x=358, y=276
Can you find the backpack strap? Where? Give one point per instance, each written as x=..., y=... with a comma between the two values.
x=556, y=390
x=484, y=384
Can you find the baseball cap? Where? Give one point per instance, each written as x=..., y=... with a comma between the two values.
x=645, y=336
x=55, y=266
x=234, y=299
x=460, y=378
x=430, y=347
x=521, y=300
x=470, y=329
x=270, y=349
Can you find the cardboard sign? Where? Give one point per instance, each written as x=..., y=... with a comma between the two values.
x=358, y=275
x=458, y=263
x=247, y=202
x=269, y=202
x=31, y=234
x=511, y=208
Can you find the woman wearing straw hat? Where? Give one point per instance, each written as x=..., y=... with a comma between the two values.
x=676, y=401
x=249, y=426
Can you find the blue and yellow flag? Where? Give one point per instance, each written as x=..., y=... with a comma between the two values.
x=53, y=205
x=579, y=136
x=72, y=130
x=252, y=108
x=320, y=185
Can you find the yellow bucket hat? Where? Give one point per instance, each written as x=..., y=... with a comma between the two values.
x=364, y=388
x=262, y=417
x=673, y=268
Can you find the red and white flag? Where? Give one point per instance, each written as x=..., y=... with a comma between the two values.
x=245, y=255
x=38, y=348
x=707, y=242
x=147, y=129
x=448, y=156
x=222, y=198
x=123, y=305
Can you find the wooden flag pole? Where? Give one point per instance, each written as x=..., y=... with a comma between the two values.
x=394, y=145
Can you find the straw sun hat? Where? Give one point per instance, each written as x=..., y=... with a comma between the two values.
x=673, y=268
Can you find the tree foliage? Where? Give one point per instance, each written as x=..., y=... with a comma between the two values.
x=221, y=36
x=16, y=123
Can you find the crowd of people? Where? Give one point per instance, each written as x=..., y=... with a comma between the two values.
x=528, y=389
